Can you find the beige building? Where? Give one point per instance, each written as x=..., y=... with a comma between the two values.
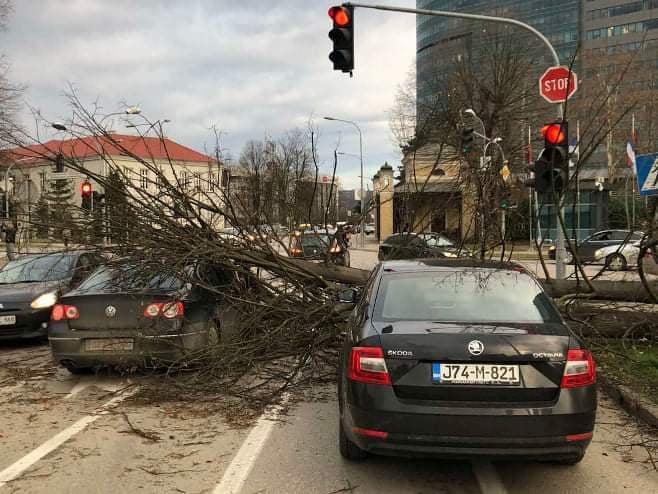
x=427, y=198
x=30, y=170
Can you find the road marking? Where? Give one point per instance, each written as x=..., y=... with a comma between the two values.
x=236, y=475
x=488, y=478
x=16, y=469
x=79, y=386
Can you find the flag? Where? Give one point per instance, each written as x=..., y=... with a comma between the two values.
x=630, y=148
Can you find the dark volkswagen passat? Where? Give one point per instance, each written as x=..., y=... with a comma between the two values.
x=31, y=285
x=119, y=316
x=458, y=358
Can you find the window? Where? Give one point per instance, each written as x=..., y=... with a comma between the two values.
x=186, y=180
x=197, y=181
x=144, y=178
x=450, y=296
x=43, y=181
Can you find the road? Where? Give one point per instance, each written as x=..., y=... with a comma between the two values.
x=68, y=434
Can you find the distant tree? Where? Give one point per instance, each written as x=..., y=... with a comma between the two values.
x=42, y=217
x=59, y=195
x=116, y=205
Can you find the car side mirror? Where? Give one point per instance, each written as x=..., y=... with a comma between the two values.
x=348, y=296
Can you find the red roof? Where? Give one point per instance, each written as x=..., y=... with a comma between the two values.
x=147, y=148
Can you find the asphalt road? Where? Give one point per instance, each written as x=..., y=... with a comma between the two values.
x=67, y=434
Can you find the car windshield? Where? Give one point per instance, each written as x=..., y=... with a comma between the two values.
x=438, y=241
x=38, y=268
x=475, y=296
x=128, y=279
x=315, y=240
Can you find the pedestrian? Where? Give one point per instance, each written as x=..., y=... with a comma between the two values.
x=66, y=236
x=10, y=239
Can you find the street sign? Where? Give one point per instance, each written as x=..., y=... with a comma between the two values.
x=61, y=176
x=647, y=174
x=557, y=84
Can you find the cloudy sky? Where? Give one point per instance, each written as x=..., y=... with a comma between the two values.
x=250, y=67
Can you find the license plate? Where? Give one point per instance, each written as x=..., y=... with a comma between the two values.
x=7, y=320
x=475, y=374
x=109, y=345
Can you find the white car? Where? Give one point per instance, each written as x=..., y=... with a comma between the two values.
x=618, y=257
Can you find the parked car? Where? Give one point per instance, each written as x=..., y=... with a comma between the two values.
x=414, y=246
x=31, y=285
x=369, y=229
x=588, y=247
x=119, y=316
x=457, y=358
x=319, y=246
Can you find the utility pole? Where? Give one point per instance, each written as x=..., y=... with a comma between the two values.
x=560, y=252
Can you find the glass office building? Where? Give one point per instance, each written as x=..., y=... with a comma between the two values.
x=605, y=30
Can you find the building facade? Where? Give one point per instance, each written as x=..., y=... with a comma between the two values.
x=31, y=171
x=609, y=36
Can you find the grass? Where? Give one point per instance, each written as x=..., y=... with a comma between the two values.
x=635, y=365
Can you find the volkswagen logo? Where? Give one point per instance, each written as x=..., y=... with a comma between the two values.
x=110, y=311
x=476, y=347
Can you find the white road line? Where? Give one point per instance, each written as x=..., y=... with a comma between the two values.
x=488, y=478
x=236, y=475
x=79, y=386
x=15, y=470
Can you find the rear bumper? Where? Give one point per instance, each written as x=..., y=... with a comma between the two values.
x=147, y=350
x=500, y=431
x=29, y=324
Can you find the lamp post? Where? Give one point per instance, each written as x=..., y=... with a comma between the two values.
x=362, y=238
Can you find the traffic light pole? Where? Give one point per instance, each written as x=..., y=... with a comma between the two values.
x=559, y=247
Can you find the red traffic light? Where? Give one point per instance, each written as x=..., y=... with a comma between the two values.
x=340, y=16
x=554, y=134
x=85, y=188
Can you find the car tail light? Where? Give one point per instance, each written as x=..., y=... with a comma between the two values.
x=580, y=369
x=63, y=312
x=370, y=433
x=172, y=310
x=168, y=310
x=579, y=437
x=152, y=310
x=367, y=365
x=335, y=249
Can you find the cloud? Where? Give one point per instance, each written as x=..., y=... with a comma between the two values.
x=253, y=67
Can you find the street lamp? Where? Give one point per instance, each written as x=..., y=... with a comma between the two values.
x=362, y=237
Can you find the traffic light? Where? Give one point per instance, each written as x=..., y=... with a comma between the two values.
x=547, y=177
x=467, y=139
x=556, y=144
x=342, y=35
x=86, y=191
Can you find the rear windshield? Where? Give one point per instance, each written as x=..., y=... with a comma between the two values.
x=477, y=296
x=402, y=239
x=315, y=240
x=128, y=279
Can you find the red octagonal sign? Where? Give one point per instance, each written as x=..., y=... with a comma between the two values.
x=557, y=84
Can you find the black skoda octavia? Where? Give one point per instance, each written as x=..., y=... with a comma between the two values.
x=460, y=358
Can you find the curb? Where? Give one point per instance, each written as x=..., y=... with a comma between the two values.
x=630, y=401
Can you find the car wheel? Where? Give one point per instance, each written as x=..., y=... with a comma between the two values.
x=615, y=262
x=78, y=371
x=348, y=449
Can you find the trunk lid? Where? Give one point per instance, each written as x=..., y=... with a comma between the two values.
x=105, y=311
x=411, y=348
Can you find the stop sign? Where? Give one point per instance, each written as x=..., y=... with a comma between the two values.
x=557, y=84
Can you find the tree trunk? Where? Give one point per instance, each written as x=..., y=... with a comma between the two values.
x=621, y=291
